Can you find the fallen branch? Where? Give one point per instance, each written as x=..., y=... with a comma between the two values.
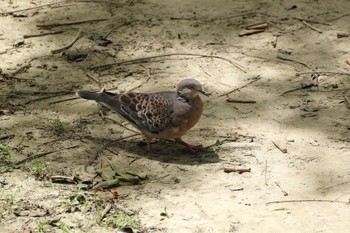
x=312, y=27
x=278, y=147
x=314, y=200
x=42, y=34
x=108, y=144
x=52, y=25
x=143, y=59
x=256, y=78
x=78, y=36
x=238, y=170
x=42, y=154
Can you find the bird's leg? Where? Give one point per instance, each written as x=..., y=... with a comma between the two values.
x=150, y=147
x=191, y=148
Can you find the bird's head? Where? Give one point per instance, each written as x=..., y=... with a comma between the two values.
x=190, y=88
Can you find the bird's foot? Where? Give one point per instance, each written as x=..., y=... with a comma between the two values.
x=151, y=149
x=191, y=148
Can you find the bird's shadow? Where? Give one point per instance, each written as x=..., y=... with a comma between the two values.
x=170, y=152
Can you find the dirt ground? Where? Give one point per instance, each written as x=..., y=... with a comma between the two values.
x=295, y=141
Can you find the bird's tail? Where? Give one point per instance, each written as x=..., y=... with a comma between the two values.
x=90, y=95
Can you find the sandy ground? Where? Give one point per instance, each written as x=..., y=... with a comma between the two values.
x=296, y=144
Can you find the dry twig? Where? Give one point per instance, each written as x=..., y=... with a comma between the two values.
x=46, y=97
x=105, y=211
x=42, y=34
x=93, y=79
x=61, y=179
x=144, y=59
x=78, y=36
x=312, y=27
x=121, y=125
x=313, y=200
x=149, y=77
x=60, y=101
x=339, y=17
x=265, y=172
x=284, y=192
x=347, y=105
x=248, y=32
x=256, y=78
x=52, y=25
x=241, y=101
x=283, y=150
x=108, y=144
x=238, y=170
x=42, y=154
x=3, y=137
x=312, y=21
x=118, y=26
x=291, y=60
x=33, y=8
x=323, y=73
x=237, y=189
x=220, y=142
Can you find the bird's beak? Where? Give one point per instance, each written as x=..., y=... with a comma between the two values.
x=204, y=92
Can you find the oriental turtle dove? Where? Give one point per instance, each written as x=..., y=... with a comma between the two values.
x=162, y=115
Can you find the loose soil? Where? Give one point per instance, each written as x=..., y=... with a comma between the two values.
x=296, y=144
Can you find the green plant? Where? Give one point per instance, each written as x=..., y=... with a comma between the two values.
x=5, y=155
x=9, y=205
x=74, y=201
x=82, y=186
x=41, y=226
x=39, y=170
x=121, y=221
x=62, y=226
x=217, y=146
x=58, y=126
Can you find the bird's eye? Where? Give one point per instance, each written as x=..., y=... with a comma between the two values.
x=191, y=87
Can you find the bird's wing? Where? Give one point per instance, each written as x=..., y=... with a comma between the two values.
x=152, y=112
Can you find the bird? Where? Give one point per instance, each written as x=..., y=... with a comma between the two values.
x=161, y=115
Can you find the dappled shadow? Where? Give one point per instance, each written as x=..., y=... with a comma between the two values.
x=170, y=152
x=312, y=124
